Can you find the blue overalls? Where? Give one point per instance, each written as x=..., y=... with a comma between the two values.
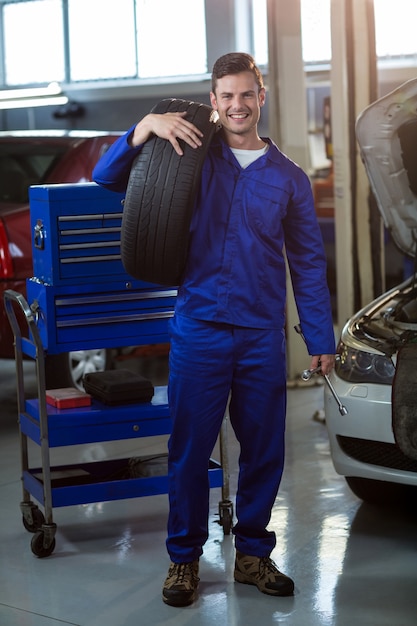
x=228, y=333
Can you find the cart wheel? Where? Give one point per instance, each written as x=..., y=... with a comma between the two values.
x=37, y=546
x=37, y=521
x=226, y=516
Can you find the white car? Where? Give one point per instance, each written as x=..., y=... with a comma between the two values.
x=374, y=444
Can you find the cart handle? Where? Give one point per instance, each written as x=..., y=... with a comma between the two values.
x=11, y=296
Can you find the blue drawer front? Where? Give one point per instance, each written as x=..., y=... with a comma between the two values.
x=97, y=316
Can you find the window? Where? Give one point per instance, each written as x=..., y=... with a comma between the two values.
x=23, y=164
x=101, y=43
x=36, y=53
x=104, y=40
x=260, y=32
x=174, y=45
x=394, y=29
x=316, y=31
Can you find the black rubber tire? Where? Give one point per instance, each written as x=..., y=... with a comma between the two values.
x=383, y=494
x=403, y=402
x=159, y=199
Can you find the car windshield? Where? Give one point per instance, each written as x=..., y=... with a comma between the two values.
x=25, y=164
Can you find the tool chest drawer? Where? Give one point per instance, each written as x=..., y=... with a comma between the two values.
x=94, y=315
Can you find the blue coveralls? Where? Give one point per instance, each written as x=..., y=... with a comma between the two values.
x=228, y=332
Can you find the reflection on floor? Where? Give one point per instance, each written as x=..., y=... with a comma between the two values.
x=352, y=564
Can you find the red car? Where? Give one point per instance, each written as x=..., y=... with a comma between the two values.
x=31, y=158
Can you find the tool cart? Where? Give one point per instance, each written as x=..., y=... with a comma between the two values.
x=81, y=298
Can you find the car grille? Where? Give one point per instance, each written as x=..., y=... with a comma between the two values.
x=376, y=453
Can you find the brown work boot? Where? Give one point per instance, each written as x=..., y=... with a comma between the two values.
x=180, y=586
x=262, y=572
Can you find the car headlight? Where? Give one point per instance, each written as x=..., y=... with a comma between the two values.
x=357, y=366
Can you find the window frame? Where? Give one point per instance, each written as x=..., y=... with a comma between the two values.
x=228, y=26
x=72, y=85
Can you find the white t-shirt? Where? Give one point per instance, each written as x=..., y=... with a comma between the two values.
x=246, y=157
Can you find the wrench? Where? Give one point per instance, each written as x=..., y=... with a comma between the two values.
x=307, y=374
x=342, y=409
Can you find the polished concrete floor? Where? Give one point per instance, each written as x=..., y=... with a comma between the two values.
x=352, y=564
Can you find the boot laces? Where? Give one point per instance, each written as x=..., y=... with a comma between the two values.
x=267, y=566
x=183, y=570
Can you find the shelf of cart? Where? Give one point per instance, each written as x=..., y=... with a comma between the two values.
x=98, y=422
x=102, y=481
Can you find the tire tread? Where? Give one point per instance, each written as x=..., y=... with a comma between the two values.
x=159, y=200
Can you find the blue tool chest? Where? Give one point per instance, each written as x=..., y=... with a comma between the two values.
x=76, y=234
x=80, y=298
x=81, y=293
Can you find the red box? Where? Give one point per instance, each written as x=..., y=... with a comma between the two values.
x=67, y=398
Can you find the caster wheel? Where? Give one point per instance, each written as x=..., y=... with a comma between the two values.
x=226, y=516
x=37, y=521
x=227, y=522
x=37, y=546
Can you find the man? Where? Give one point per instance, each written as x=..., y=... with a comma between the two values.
x=228, y=332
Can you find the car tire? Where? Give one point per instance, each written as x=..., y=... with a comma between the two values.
x=383, y=493
x=404, y=410
x=68, y=369
x=159, y=199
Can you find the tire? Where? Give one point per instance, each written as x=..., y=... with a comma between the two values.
x=159, y=200
x=68, y=369
x=403, y=405
x=383, y=494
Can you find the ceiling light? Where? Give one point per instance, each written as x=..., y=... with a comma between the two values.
x=24, y=103
x=53, y=89
x=32, y=97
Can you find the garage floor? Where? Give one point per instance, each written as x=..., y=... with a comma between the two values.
x=352, y=564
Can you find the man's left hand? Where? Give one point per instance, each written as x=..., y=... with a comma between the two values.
x=326, y=361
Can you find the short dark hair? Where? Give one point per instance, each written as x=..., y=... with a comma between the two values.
x=234, y=63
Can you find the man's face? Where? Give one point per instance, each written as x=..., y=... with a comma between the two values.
x=238, y=101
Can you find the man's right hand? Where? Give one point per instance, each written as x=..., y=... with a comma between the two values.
x=170, y=126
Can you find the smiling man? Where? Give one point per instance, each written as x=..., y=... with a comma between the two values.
x=238, y=99
x=228, y=332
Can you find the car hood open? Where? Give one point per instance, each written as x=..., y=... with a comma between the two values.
x=387, y=136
